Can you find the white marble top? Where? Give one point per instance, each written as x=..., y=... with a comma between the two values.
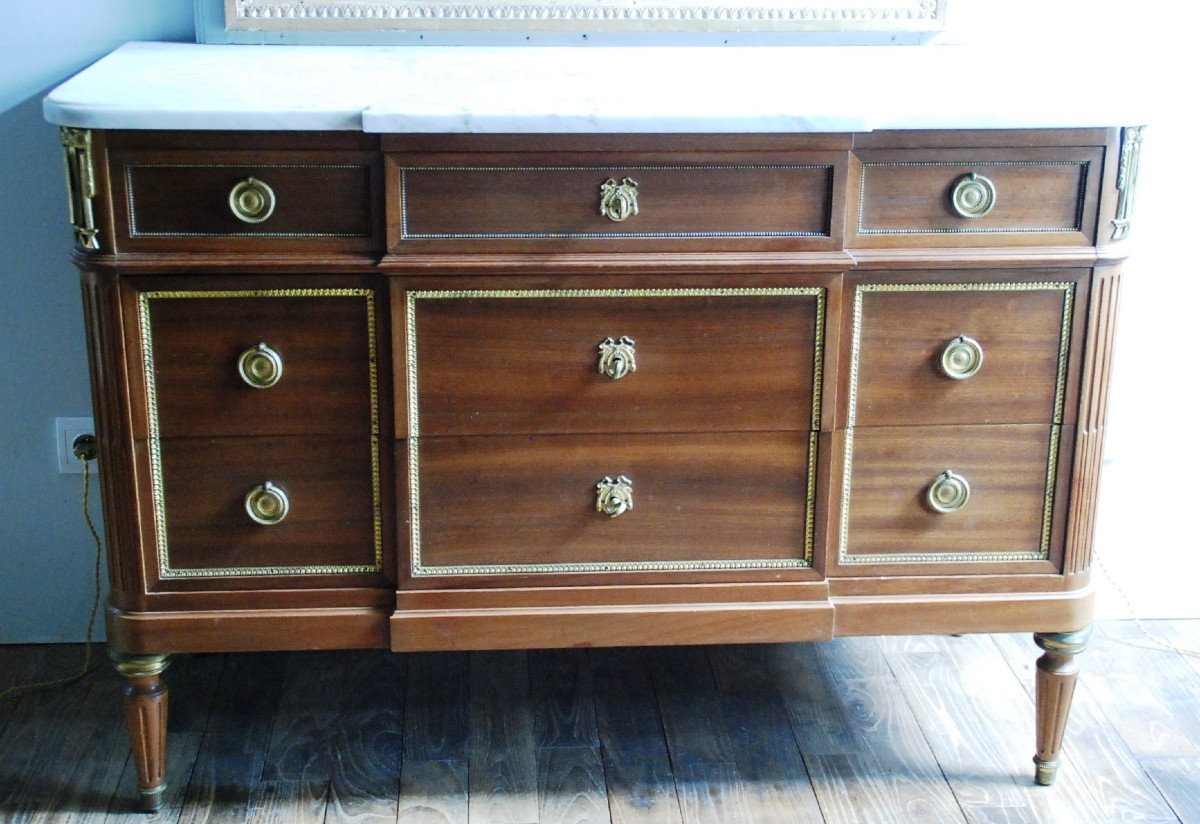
x=586, y=89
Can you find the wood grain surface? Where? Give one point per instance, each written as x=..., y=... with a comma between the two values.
x=894, y=467
x=903, y=336
x=867, y=730
x=330, y=521
x=1119, y=783
x=678, y=203
x=963, y=682
x=179, y=199
x=510, y=500
x=325, y=387
x=1042, y=195
x=529, y=365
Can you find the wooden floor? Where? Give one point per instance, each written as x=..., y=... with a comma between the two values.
x=926, y=729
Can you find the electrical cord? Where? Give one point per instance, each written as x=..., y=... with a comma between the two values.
x=1161, y=643
x=87, y=666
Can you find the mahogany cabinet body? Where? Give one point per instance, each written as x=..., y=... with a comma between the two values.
x=862, y=388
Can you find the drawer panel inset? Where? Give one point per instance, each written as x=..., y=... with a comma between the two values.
x=675, y=204
x=632, y=360
x=238, y=202
x=613, y=503
x=930, y=353
x=288, y=506
x=978, y=197
x=260, y=362
x=920, y=495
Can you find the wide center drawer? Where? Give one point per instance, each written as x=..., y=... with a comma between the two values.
x=626, y=360
x=612, y=201
x=537, y=504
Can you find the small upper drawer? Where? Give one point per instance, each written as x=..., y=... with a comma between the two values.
x=239, y=201
x=591, y=202
x=627, y=360
x=976, y=197
x=962, y=353
x=259, y=362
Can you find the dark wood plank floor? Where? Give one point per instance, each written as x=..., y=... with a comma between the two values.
x=923, y=729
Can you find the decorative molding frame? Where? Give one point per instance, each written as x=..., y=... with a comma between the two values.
x=1042, y=553
x=417, y=566
x=166, y=570
x=568, y=15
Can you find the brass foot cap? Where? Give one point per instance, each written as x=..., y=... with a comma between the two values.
x=1045, y=771
x=150, y=799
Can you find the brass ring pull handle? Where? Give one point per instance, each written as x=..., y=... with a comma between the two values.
x=949, y=492
x=267, y=504
x=614, y=497
x=973, y=196
x=260, y=366
x=252, y=201
x=617, y=357
x=618, y=201
x=961, y=358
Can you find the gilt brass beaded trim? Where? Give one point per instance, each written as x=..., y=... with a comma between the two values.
x=166, y=570
x=604, y=170
x=419, y=569
x=1080, y=199
x=135, y=232
x=1043, y=551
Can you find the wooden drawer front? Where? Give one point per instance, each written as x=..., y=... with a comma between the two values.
x=523, y=505
x=909, y=339
x=333, y=523
x=187, y=195
x=325, y=338
x=681, y=202
x=491, y=362
x=1011, y=472
x=1039, y=196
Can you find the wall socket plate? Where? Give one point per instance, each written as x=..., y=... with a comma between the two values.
x=66, y=430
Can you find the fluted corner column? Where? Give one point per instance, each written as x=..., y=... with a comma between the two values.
x=1057, y=671
x=146, y=721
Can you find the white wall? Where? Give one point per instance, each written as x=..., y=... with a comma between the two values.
x=45, y=551
x=1147, y=546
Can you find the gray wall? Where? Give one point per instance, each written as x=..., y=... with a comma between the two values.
x=45, y=551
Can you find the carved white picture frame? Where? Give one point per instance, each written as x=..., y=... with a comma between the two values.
x=584, y=15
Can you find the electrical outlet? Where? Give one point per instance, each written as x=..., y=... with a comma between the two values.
x=66, y=430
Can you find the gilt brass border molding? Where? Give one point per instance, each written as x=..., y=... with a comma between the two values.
x=165, y=569
x=405, y=234
x=1080, y=198
x=419, y=569
x=587, y=15
x=1043, y=551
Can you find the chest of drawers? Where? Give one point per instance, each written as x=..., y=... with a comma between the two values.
x=430, y=392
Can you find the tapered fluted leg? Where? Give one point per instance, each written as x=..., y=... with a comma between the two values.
x=1057, y=671
x=146, y=720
